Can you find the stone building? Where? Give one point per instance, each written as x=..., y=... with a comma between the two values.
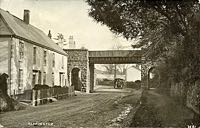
x=78, y=68
x=28, y=55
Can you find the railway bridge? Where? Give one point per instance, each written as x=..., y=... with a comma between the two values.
x=81, y=65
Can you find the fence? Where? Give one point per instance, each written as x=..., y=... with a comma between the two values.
x=43, y=96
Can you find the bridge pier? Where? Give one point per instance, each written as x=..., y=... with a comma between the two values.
x=144, y=74
x=92, y=81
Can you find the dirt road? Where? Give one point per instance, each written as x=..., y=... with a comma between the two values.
x=94, y=110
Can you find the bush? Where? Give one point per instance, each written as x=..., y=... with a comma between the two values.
x=39, y=86
x=104, y=82
x=135, y=85
x=56, y=86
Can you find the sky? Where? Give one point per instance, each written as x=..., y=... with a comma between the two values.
x=69, y=17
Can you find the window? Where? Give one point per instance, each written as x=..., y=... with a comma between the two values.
x=53, y=79
x=45, y=58
x=53, y=62
x=44, y=77
x=20, y=79
x=33, y=79
x=39, y=77
x=21, y=50
x=34, y=55
x=61, y=78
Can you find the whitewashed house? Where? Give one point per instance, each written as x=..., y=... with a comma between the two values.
x=28, y=55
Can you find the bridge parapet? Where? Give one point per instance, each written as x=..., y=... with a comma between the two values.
x=116, y=53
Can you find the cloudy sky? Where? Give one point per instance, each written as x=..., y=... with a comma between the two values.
x=69, y=17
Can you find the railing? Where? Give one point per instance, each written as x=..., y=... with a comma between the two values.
x=44, y=96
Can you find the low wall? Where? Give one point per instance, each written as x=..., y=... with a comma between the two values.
x=26, y=96
x=43, y=96
x=189, y=95
x=193, y=97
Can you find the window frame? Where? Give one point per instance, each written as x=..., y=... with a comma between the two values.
x=34, y=55
x=21, y=50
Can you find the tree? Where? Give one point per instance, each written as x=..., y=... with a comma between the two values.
x=165, y=27
x=60, y=40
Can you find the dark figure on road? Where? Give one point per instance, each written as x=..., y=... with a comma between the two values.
x=118, y=83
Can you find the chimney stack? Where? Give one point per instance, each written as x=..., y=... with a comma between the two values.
x=72, y=44
x=49, y=34
x=26, y=16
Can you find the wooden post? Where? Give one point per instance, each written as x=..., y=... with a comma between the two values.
x=39, y=97
x=34, y=98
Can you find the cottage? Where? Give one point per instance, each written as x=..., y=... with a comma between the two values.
x=28, y=55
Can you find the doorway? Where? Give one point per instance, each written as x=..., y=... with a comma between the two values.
x=75, y=79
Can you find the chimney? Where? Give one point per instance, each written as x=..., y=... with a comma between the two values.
x=49, y=34
x=26, y=16
x=72, y=44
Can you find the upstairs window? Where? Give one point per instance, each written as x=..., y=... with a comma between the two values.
x=34, y=55
x=45, y=58
x=53, y=61
x=21, y=50
x=53, y=78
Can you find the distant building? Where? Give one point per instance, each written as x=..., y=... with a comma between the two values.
x=28, y=55
x=72, y=43
x=133, y=74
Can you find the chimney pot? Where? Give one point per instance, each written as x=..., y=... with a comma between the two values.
x=49, y=34
x=26, y=16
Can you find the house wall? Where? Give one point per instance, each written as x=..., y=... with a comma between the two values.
x=4, y=56
x=39, y=69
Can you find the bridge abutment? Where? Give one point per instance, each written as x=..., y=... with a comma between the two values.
x=92, y=79
x=78, y=58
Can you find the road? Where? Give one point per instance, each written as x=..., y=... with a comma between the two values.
x=106, y=107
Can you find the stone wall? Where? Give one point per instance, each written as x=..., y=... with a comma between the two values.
x=189, y=94
x=193, y=97
x=178, y=91
x=78, y=58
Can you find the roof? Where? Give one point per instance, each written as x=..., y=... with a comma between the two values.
x=19, y=29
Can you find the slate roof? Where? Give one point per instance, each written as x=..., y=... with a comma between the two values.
x=31, y=34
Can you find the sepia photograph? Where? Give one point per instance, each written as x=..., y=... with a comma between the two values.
x=99, y=63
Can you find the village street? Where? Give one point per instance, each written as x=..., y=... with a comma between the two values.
x=106, y=107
